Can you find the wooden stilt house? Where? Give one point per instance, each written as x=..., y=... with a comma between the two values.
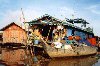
x=14, y=34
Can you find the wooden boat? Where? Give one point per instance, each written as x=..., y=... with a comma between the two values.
x=69, y=50
x=46, y=25
x=77, y=51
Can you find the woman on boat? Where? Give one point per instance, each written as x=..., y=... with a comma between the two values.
x=57, y=40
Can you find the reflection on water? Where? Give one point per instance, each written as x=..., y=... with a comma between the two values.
x=12, y=56
x=73, y=62
x=21, y=57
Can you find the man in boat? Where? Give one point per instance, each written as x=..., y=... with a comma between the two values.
x=57, y=40
x=36, y=35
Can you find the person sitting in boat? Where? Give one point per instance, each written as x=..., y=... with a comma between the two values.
x=57, y=41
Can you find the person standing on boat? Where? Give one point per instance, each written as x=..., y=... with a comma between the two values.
x=58, y=36
x=54, y=31
x=62, y=31
x=36, y=35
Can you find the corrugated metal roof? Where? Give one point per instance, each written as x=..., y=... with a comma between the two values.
x=47, y=19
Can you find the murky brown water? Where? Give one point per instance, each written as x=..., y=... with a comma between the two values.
x=21, y=57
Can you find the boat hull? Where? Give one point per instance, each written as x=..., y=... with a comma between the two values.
x=76, y=51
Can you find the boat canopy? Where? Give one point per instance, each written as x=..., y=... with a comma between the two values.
x=49, y=20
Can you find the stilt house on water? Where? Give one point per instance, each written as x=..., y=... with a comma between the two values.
x=14, y=34
x=62, y=38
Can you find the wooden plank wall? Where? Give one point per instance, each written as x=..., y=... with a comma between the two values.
x=14, y=34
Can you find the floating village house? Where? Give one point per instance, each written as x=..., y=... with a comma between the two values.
x=63, y=35
x=47, y=24
x=14, y=34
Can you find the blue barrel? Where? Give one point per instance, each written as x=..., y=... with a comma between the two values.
x=36, y=41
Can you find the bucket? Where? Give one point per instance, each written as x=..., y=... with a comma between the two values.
x=70, y=38
x=36, y=41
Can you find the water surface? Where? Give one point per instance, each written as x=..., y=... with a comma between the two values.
x=23, y=57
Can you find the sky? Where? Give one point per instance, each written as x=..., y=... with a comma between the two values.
x=10, y=11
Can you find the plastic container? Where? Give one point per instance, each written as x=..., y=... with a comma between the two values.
x=77, y=38
x=36, y=41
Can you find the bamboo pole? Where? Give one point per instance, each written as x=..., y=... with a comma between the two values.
x=48, y=33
